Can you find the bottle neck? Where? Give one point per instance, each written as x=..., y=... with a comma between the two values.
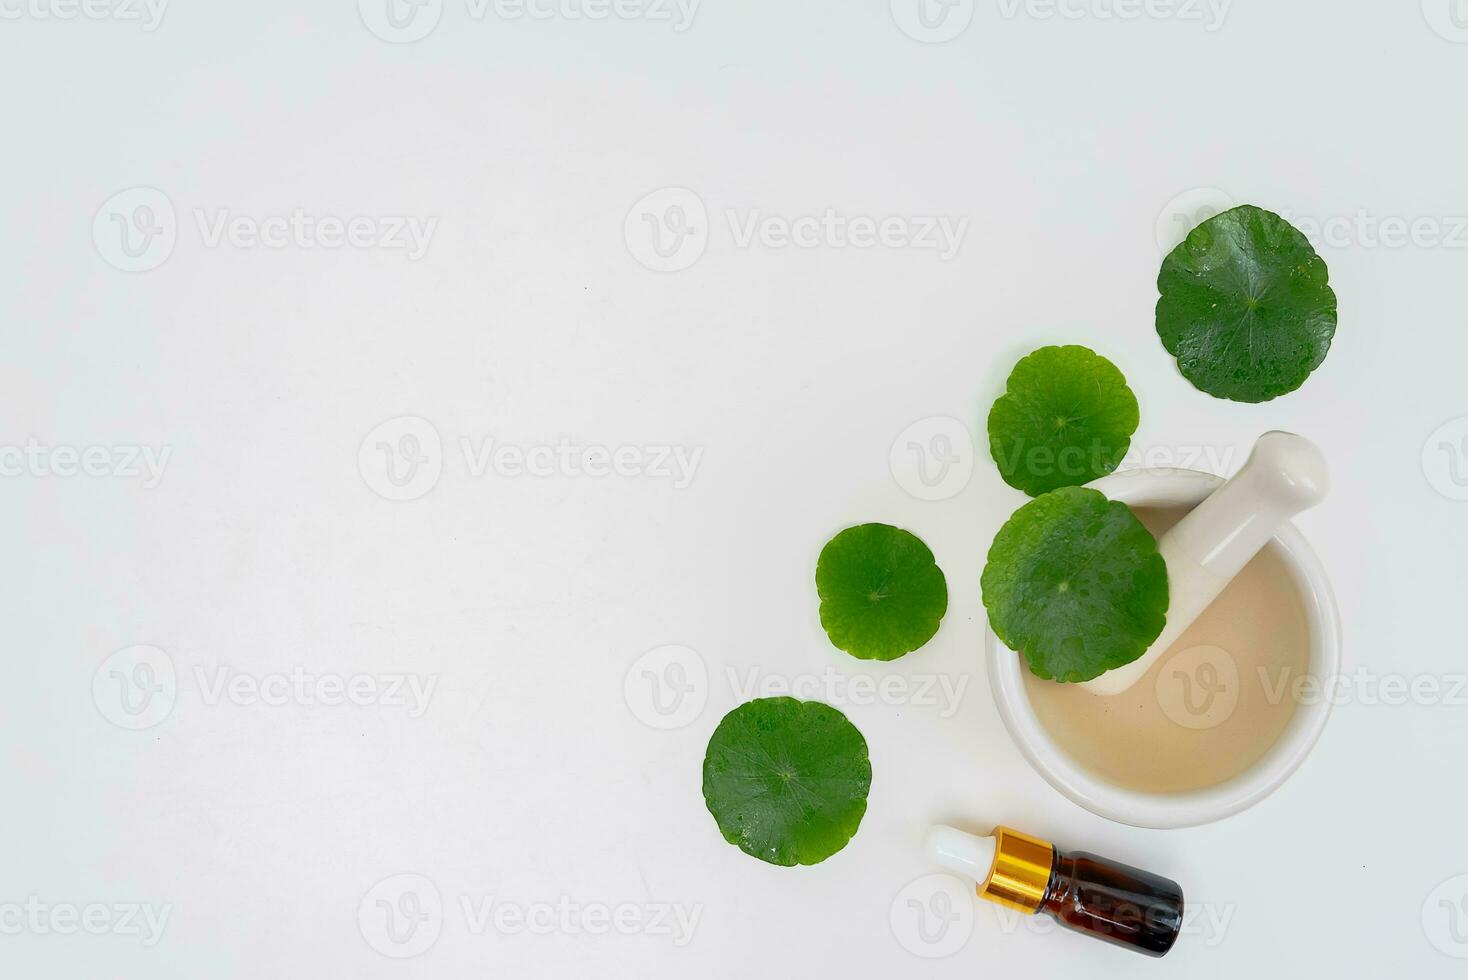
x=1021, y=875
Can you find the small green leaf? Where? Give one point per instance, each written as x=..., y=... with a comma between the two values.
x=1075, y=583
x=1246, y=306
x=1066, y=417
x=787, y=780
x=882, y=595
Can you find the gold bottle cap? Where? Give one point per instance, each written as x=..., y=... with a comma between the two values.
x=1021, y=870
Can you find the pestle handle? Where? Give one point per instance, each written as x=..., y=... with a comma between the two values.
x=1284, y=475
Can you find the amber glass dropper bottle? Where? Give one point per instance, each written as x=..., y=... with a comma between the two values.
x=1103, y=899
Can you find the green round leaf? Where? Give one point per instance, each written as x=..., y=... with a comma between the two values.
x=1075, y=583
x=1246, y=306
x=882, y=595
x=1066, y=417
x=787, y=780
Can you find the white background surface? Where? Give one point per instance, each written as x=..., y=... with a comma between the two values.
x=264, y=549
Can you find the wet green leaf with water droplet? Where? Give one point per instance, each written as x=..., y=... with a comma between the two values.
x=1074, y=582
x=787, y=780
x=1246, y=306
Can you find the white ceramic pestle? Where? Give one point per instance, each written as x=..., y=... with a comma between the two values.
x=1284, y=475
